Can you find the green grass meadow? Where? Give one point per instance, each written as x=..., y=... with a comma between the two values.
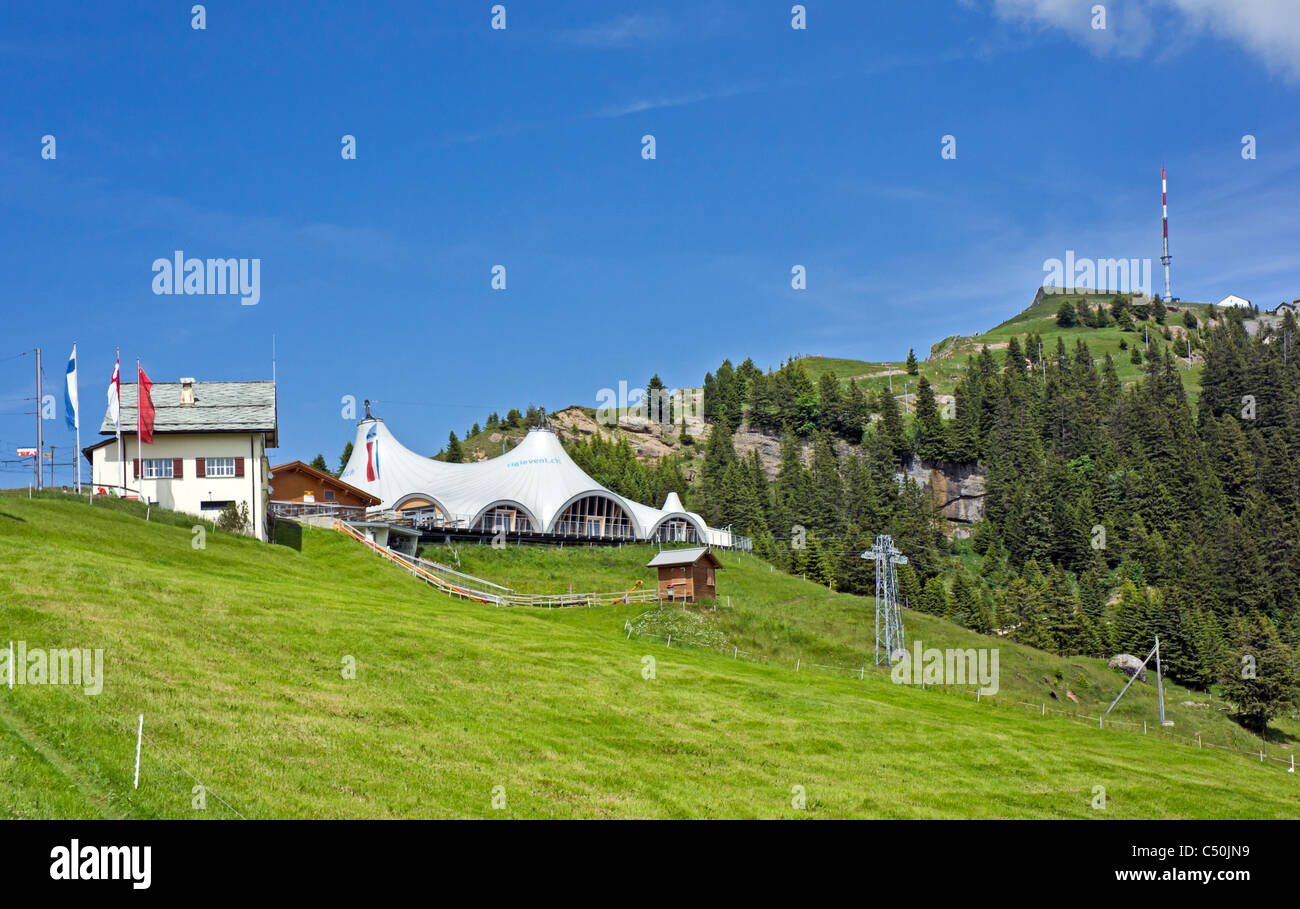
x=233, y=653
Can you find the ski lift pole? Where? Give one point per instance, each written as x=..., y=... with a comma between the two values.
x=1160, y=688
x=1133, y=678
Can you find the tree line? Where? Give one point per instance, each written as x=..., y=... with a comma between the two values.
x=1113, y=513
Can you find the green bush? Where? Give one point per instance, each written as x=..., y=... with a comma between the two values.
x=234, y=518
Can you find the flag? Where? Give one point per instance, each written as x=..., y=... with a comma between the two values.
x=115, y=396
x=372, y=453
x=144, y=421
x=70, y=402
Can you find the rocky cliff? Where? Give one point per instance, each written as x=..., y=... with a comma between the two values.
x=958, y=489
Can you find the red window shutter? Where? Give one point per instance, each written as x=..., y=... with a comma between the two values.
x=200, y=467
x=135, y=468
x=178, y=468
x=239, y=467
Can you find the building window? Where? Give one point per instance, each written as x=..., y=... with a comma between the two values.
x=158, y=468
x=214, y=506
x=329, y=495
x=219, y=467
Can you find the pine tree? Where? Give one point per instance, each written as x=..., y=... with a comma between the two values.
x=891, y=424
x=455, y=454
x=1066, y=315
x=719, y=459
x=964, y=607
x=1133, y=630
x=826, y=494
x=912, y=367
x=1261, y=681
x=1025, y=610
x=830, y=410
x=934, y=597
x=930, y=443
x=909, y=585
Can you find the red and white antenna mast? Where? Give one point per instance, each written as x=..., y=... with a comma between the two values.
x=1165, y=258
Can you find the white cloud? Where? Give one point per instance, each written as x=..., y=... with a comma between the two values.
x=1268, y=29
x=1127, y=31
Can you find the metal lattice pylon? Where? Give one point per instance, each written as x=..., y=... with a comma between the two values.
x=889, y=618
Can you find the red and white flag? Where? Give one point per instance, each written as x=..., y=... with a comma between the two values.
x=144, y=422
x=115, y=396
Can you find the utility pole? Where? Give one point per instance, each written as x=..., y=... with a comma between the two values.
x=889, y=621
x=40, y=429
x=1165, y=258
x=1160, y=688
x=52, y=447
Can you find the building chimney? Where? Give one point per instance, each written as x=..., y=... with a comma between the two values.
x=187, y=392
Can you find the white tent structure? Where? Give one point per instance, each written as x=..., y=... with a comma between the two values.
x=535, y=489
x=1232, y=300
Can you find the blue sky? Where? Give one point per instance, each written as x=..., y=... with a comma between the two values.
x=522, y=147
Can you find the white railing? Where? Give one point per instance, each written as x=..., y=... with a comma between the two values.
x=314, y=509
x=469, y=587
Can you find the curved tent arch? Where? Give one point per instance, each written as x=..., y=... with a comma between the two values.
x=598, y=492
x=701, y=530
x=424, y=497
x=523, y=509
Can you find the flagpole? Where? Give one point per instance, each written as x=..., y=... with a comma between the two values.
x=139, y=436
x=121, y=455
x=77, y=454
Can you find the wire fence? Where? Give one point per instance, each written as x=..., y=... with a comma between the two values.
x=1102, y=721
x=130, y=724
x=130, y=729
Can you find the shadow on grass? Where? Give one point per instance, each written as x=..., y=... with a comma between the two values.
x=287, y=533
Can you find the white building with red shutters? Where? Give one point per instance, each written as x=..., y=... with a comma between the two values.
x=209, y=449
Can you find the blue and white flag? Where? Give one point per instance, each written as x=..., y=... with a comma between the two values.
x=70, y=402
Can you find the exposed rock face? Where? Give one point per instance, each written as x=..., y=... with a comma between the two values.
x=958, y=489
x=645, y=437
x=1129, y=664
x=768, y=448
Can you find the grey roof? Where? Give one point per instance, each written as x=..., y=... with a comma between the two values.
x=217, y=407
x=682, y=557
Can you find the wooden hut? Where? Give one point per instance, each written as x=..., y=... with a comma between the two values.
x=687, y=574
x=298, y=488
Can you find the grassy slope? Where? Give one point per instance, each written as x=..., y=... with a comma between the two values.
x=943, y=368
x=233, y=654
x=779, y=618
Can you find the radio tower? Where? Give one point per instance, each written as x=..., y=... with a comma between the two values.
x=889, y=620
x=1165, y=258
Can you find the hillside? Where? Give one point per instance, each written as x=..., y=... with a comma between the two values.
x=946, y=358
x=233, y=655
x=943, y=367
